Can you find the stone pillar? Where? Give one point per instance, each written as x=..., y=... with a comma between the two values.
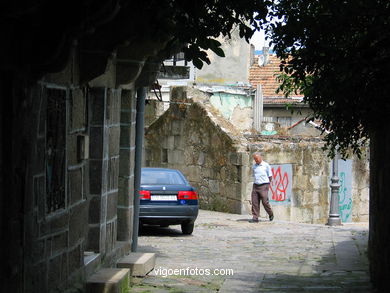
x=104, y=168
x=97, y=168
x=126, y=165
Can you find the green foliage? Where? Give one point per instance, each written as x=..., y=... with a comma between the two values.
x=337, y=53
x=194, y=25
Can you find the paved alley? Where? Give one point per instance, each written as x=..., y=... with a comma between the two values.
x=227, y=254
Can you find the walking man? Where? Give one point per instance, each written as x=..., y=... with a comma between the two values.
x=262, y=176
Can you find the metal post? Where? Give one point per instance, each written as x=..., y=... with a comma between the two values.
x=139, y=135
x=334, y=212
x=258, y=109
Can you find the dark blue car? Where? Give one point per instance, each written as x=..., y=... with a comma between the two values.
x=167, y=198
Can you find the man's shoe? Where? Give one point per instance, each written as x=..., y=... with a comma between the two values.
x=253, y=220
x=271, y=217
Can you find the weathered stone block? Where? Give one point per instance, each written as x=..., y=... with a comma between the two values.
x=96, y=142
x=139, y=263
x=75, y=258
x=127, y=136
x=109, y=281
x=125, y=167
x=214, y=186
x=113, y=106
x=71, y=149
x=179, y=142
x=113, y=172
x=128, y=100
x=126, y=186
x=97, y=100
x=113, y=141
x=170, y=142
x=176, y=127
x=75, y=183
x=78, y=223
x=38, y=252
x=42, y=115
x=36, y=280
x=39, y=157
x=55, y=224
x=94, y=243
x=95, y=176
x=177, y=157
x=77, y=110
x=54, y=271
x=59, y=243
x=192, y=172
x=103, y=238
x=125, y=223
x=112, y=201
x=201, y=158
x=38, y=194
x=95, y=210
x=110, y=235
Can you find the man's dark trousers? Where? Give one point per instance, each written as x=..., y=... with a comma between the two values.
x=260, y=192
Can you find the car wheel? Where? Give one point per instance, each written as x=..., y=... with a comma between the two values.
x=187, y=228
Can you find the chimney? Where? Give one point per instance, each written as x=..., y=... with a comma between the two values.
x=265, y=55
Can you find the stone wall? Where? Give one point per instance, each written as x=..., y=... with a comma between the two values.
x=309, y=180
x=104, y=167
x=186, y=137
x=72, y=209
x=57, y=192
x=196, y=139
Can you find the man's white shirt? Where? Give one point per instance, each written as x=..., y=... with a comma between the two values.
x=261, y=172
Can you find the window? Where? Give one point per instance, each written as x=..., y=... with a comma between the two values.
x=161, y=177
x=55, y=149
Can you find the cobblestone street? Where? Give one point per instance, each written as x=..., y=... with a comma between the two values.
x=226, y=253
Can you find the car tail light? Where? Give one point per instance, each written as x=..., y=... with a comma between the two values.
x=187, y=195
x=144, y=194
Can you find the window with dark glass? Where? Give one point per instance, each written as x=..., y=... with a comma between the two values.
x=55, y=149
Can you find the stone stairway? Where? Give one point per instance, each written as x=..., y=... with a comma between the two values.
x=117, y=280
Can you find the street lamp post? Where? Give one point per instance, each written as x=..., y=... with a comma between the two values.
x=334, y=212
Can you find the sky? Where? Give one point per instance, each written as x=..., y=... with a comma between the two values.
x=258, y=40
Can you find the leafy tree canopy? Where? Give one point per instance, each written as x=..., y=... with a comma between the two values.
x=197, y=23
x=337, y=53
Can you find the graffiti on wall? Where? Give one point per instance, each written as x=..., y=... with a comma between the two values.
x=281, y=184
x=345, y=191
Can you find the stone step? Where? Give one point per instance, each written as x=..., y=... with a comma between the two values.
x=109, y=280
x=139, y=263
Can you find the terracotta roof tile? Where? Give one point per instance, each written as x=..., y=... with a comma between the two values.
x=266, y=76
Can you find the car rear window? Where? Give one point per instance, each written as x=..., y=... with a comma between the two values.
x=161, y=177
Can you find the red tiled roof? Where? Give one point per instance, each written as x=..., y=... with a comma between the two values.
x=280, y=100
x=266, y=76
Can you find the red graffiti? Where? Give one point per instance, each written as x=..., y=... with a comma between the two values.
x=279, y=185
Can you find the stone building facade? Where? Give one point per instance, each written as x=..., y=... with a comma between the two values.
x=68, y=159
x=217, y=158
x=78, y=150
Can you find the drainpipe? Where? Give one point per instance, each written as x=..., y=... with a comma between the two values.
x=258, y=109
x=139, y=135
